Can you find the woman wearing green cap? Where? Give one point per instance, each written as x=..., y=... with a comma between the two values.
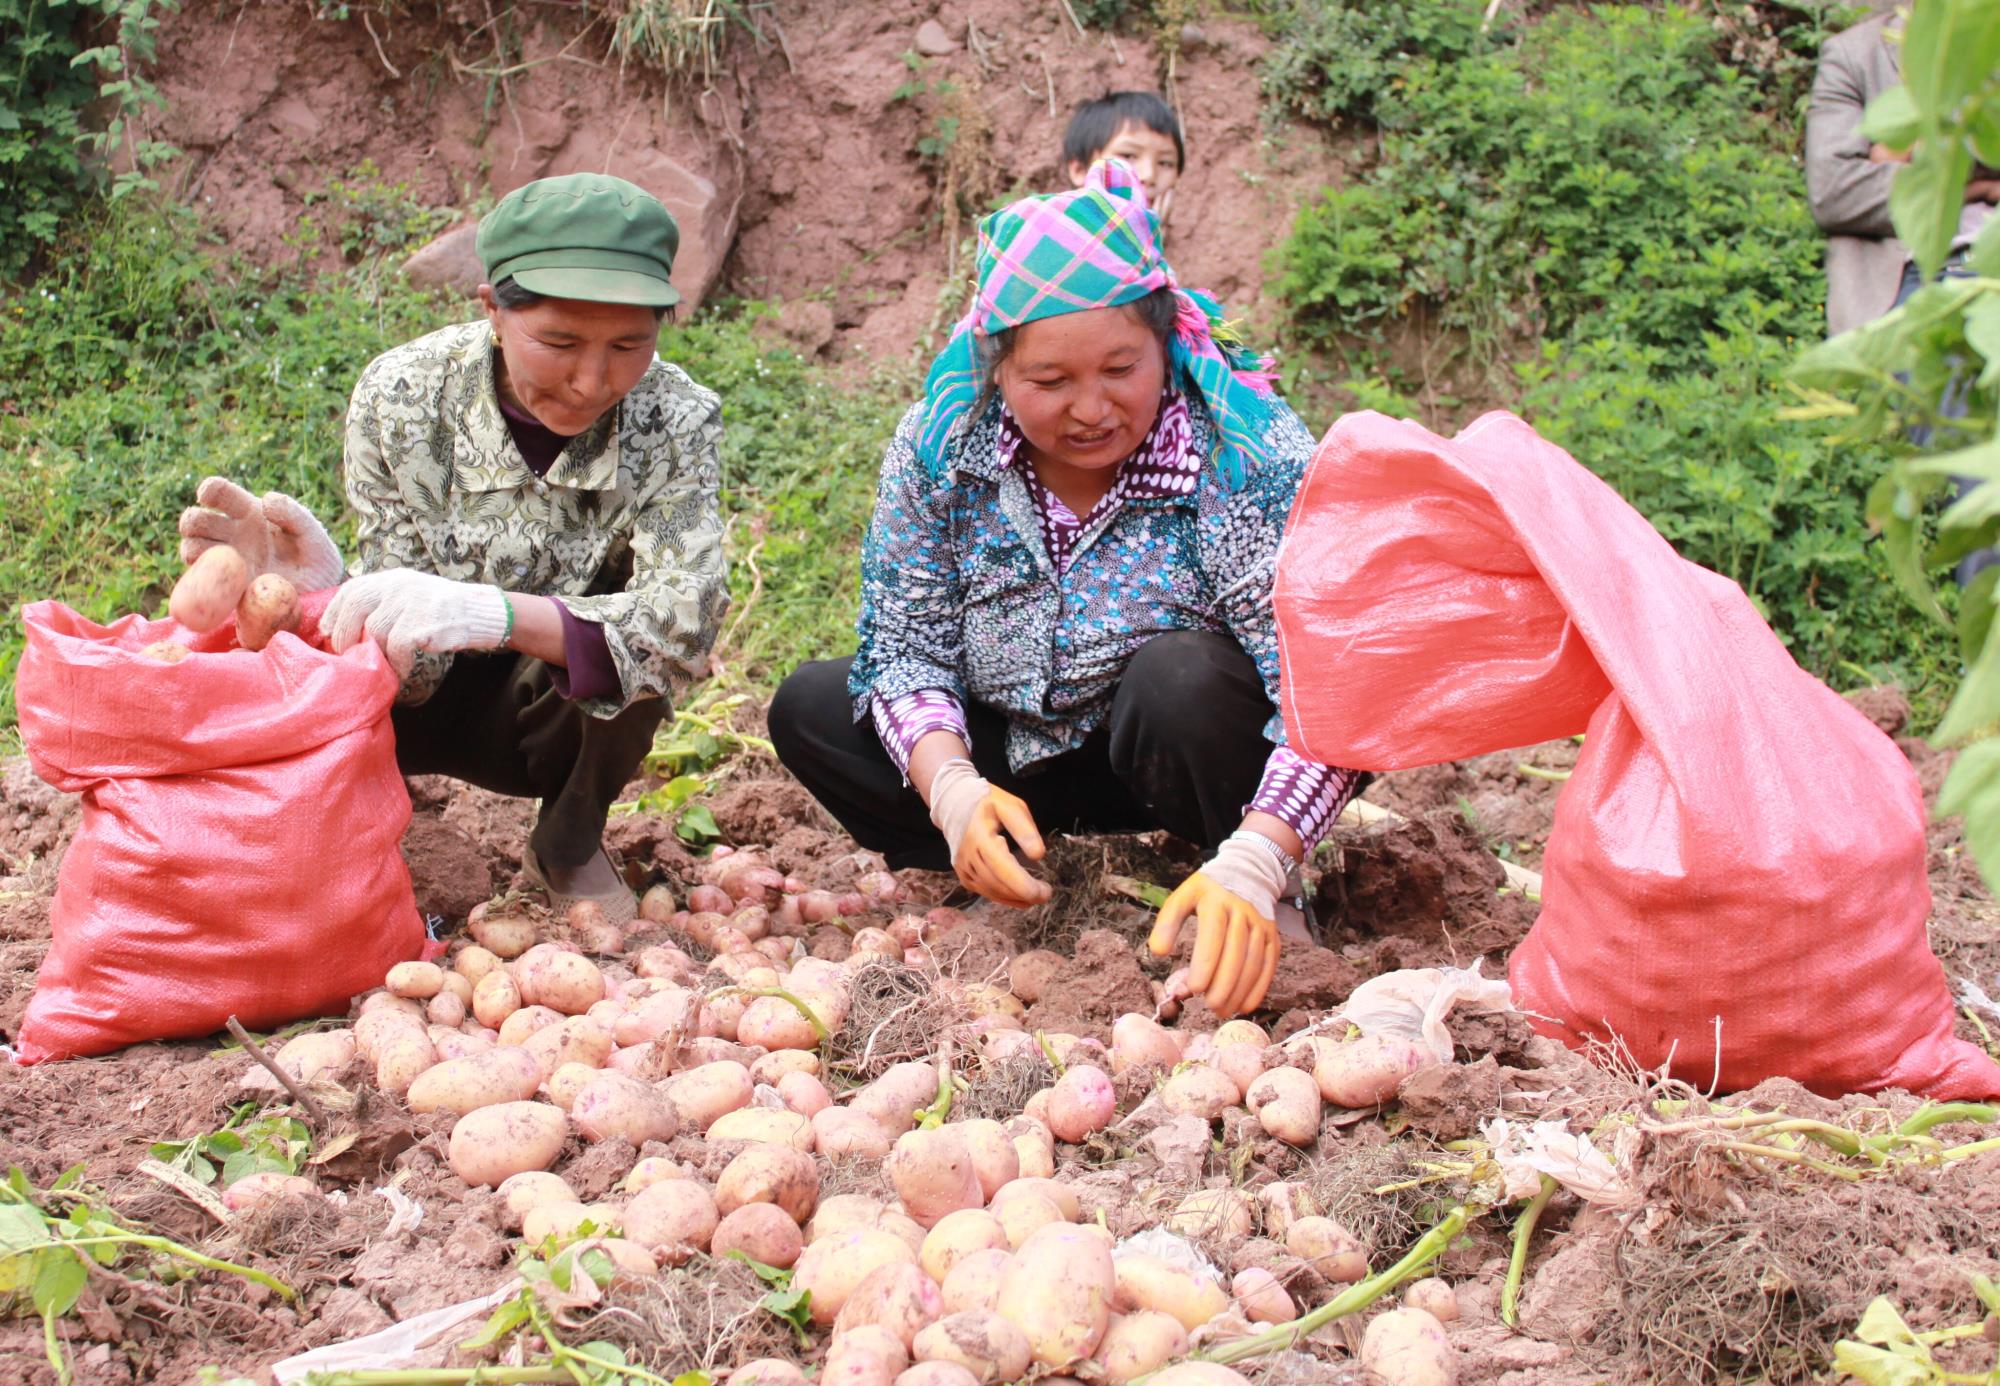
x=540, y=553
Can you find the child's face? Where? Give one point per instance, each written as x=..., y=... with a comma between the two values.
x=1149, y=153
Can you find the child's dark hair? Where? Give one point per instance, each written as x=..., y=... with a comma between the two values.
x=1097, y=123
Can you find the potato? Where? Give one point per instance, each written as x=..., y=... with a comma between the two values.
x=897, y=1297
x=1081, y=1102
x=210, y=589
x=1146, y=1282
x=402, y=1059
x=503, y=935
x=772, y=1022
x=832, y=1268
x=841, y=1133
x=270, y=604
x=780, y=1064
x=468, y=1040
x=1241, y=1063
x=165, y=651
x=474, y=962
x=937, y=1374
x=566, y=1082
x=893, y=1100
x=1407, y=1347
x=956, y=1236
x=845, y=1213
x=867, y=1356
x=1200, y=1091
x=978, y=1340
x=763, y=1124
x=525, y=1023
x=803, y=1093
x=1197, y=1374
x=763, y=1371
x=1434, y=1296
x=974, y=1283
x=770, y=1174
x=704, y=1094
x=566, y=1221
x=266, y=1189
x=900, y=1224
x=305, y=1057
x=763, y=1232
x=1024, y=1214
x=490, y=1143
x=568, y=982
x=1034, y=1147
x=495, y=998
x=1140, y=1342
x=994, y=1158
x=933, y=1174
x=1283, y=1204
x=520, y=1193
x=677, y=1012
x=1366, y=1072
x=383, y=1001
x=673, y=1220
x=417, y=980
x=652, y=1170
x=1222, y=1214
x=1058, y=1291
x=1062, y=1195
x=1139, y=1041
x=629, y=1260
x=377, y=1027
x=615, y=1105
x=1286, y=1103
x=577, y=1040
x=459, y=1086
x=1261, y=1297
x=1328, y=1248
x=446, y=1009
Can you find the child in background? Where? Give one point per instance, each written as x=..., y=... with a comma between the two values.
x=1138, y=127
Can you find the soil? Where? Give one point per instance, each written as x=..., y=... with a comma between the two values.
x=1724, y=1274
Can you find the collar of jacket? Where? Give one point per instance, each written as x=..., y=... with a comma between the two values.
x=487, y=458
x=977, y=454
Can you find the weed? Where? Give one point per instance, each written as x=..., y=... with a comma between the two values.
x=245, y=1144
x=377, y=217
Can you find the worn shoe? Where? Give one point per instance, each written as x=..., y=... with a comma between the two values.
x=619, y=904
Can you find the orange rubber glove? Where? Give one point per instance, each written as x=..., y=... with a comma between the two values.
x=976, y=820
x=1234, y=899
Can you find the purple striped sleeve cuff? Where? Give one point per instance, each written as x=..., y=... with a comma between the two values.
x=591, y=672
x=1306, y=795
x=904, y=721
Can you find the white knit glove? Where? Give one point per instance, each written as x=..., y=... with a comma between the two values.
x=1251, y=867
x=404, y=611
x=275, y=535
x=957, y=790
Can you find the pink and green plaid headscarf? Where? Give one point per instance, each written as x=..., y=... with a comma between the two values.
x=1096, y=247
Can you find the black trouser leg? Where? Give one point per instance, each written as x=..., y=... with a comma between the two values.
x=1187, y=733
x=498, y=722
x=842, y=762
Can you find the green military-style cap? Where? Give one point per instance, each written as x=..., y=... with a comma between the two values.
x=583, y=235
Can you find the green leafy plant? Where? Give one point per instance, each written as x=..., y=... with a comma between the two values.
x=51, y=159
x=52, y=1241
x=247, y=1143
x=1886, y=1351
x=695, y=752
x=781, y=1300
x=1335, y=59
x=377, y=217
x=1934, y=365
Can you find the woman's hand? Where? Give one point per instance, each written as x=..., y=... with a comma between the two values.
x=404, y=611
x=976, y=820
x=1234, y=899
x=275, y=535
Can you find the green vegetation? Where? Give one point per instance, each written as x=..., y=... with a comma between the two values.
x=1603, y=220
x=133, y=370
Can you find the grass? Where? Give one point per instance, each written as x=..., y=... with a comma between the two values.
x=134, y=368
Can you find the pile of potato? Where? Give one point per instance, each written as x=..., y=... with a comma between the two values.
x=217, y=585
x=972, y=1266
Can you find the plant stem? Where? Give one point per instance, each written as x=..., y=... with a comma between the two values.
x=1928, y=1116
x=1790, y=1157
x=1049, y=1053
x=1517, y=1264
x=314, y=1112
x=175, y=1249
x=1966, y=1152
x=1360, y=1295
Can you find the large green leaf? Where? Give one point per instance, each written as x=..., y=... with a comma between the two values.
x=59, y=1279
x=1893, y=119
x=1982, y=331
x=1925, y=198
x=1950, y=49
x=1972, y=790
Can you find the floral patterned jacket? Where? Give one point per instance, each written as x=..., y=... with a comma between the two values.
x=624, y=528
x=958, y=592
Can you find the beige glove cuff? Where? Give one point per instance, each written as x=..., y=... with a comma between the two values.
x=1246, y=867
x=957, y=790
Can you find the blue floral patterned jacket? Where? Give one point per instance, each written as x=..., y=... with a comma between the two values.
x=958, y=592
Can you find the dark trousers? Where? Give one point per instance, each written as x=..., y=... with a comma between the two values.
x=498, y=722
x=1183, y=749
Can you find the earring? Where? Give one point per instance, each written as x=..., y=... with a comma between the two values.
x=496, y=339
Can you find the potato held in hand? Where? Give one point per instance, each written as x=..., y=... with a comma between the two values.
x=210, y=589
x=270, y=605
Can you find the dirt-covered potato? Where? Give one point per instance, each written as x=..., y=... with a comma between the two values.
x=210, y=589
x=1022, y=1214
x=402, y=1059
x=265, y=1189
x=1139, y=1342
x=268, y=605
x=1081, y=1102
x=764, y=1371
x=527, y=1021
x=1034, y=1147
x=763, y=1124
x=305, y=1057
x=980, y=1341
x=617, y=1106
x=867, y=1356
x=577, y=1040
x=1146, y=1282
x=1285, y=1102
x=933, y=1174
x=503, y=935
x=1367, y=1071
x=1261, y=1297
x=495, y=997
x=493, y=1142
x=566, y=1221
x=1407, y=1347
x=803, y=1093
x=770, y=1174
x=629, y=1260
x=994, y=1158
x=458, y=1086
x=841, y=1133
x=763, y=1232
x=518, y=1194
x=165, y=652
x=936, y=1374
x=974, y=1283
x=1139, y=1041
x=673, y=1219
x=897, y=1297
x=1217, y=1214
x=1200, y=1091
x=893, y=1100
x=1434, y=1296
x=1328, y=1248
x=1057, y=1290
x=832, y=1268
x=956, y=1236
x=705, y=1094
